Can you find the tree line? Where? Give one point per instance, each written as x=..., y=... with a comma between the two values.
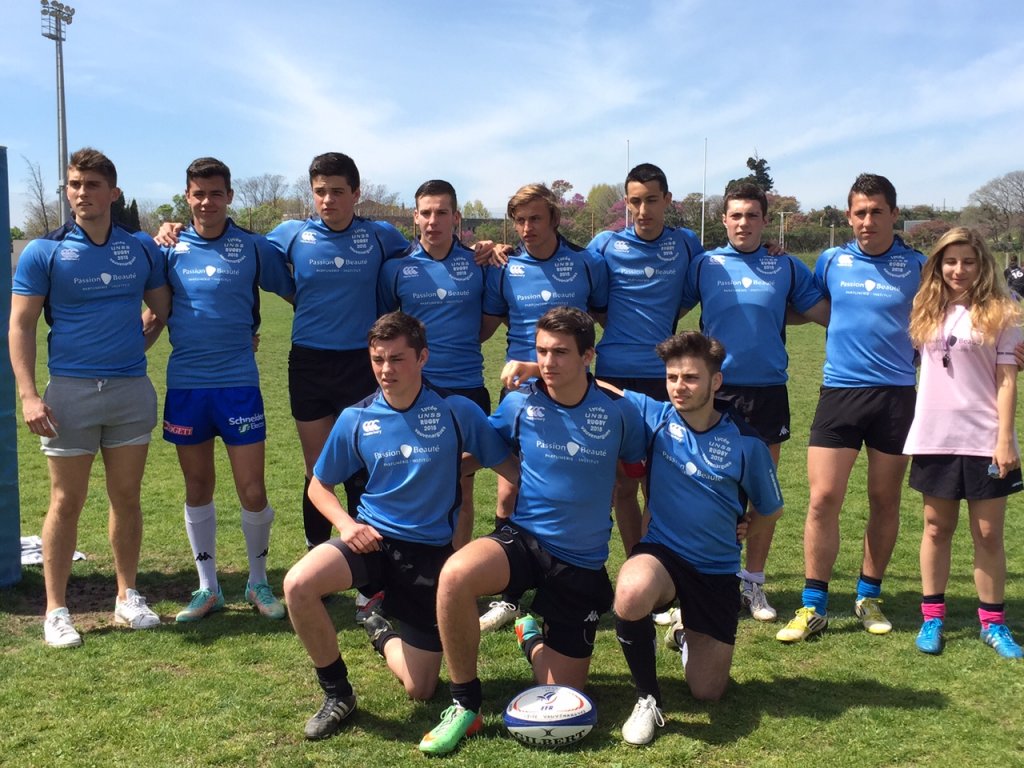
x=262, y=202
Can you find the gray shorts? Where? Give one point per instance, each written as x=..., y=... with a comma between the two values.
x=99, y=413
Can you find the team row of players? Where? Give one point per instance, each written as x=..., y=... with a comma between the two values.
x=637, y=281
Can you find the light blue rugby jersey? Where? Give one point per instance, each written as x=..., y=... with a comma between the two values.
x=568, y=457
x=525, y=288
x=867, y=344
x=447, y=296
x=336, y=278
x=412, y=457
x=699, y=484
x=93, y=299
x=215, y=306
x=743, y=298
x=646, y=280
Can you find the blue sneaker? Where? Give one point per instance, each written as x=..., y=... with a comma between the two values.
x=204, y=602
x=929, y=639
x=999, y=637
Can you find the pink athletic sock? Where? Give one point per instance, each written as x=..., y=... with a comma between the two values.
x=991, y=617
x=933, y=611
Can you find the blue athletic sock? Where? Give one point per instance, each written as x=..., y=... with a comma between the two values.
x=815, y=595
x=868, y=587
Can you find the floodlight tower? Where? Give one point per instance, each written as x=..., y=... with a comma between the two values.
x=55, y=19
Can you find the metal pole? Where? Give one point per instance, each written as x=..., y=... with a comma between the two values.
x=704, y=192
x=62, y=133
x=56, y=17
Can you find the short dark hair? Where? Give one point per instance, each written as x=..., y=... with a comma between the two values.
x=207, y=168
x=395, y=325
x=335, y=164
x=693, y=344
x=89, y=159
x=646, y=173
x=869, y=184
x=437, y=187
x=745, y=191
x=572, y=322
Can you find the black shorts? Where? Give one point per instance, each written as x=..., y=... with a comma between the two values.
x=765, y=409
x=478, y=395
x=960, y=477
x=570, y=598
x=324, y=382
x=710, y=602
x=407, y=572
x=878, y=417
x=653, y=388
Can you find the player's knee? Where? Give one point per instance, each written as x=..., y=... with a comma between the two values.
x=297, y=587
x=421, y=690
x=708, y=690
x=253, y=496
x=632, y=599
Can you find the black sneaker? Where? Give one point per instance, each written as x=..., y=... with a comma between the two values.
x=369, y=608
x=377, y=627
x=327, y=721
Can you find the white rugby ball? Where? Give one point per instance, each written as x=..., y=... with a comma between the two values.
x=550, y=716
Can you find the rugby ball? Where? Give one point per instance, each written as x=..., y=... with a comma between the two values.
x=550, y=716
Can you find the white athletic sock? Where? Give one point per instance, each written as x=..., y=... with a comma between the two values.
x=754, y=577
x=201, y=526
x=256, y=529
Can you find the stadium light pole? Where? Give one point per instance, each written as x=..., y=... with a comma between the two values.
x=55, y=19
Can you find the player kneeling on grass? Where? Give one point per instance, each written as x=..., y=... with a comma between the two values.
x=703, y=467
x=410, y=439
x=570, y=436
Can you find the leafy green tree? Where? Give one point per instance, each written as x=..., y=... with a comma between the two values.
x=17, y=234
x=475, y=209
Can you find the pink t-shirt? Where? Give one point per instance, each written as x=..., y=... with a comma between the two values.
x=956, y=405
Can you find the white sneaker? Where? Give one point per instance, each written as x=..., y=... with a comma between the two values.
x=752, y=595
x=664, y=619
x=58, y=631
x=639, y=728
x=134, y=612
x=498, y=615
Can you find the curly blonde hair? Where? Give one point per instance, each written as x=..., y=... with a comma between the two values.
x=992, y=307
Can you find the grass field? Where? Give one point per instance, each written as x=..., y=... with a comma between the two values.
x=236, y=689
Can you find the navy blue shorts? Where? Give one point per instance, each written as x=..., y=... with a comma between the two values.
x=193, y=416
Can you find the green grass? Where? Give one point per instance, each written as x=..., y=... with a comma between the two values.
x=236, y=689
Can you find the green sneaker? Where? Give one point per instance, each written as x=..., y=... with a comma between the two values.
x=262, y=599
x=204, y=602
x=456, y=722
x=526, y=629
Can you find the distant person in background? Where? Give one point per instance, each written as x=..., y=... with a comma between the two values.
x=215, y=273
x=962, y=439
x=744, y=294
x=1015, y=278
x=867, y=399
x=90, y=278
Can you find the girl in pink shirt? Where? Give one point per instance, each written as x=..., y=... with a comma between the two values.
x=962, y=439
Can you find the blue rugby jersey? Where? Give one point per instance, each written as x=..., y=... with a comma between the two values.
x=93, y=298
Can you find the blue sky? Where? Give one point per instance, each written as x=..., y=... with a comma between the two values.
x=492, y=96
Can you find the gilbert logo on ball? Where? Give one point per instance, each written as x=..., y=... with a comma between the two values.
x=550, y=716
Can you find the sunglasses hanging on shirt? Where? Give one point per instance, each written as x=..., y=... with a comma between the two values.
x=950, y=342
